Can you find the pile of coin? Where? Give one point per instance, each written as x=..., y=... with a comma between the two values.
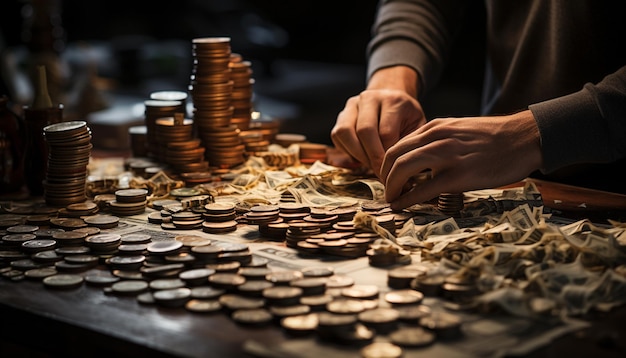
x=69, y=145
x=202, y=275
x=211, y=89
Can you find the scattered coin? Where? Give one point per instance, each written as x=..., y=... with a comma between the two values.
x=63, y=281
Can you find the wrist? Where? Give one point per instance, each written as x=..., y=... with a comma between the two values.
x=403, y=78
x=529, y=131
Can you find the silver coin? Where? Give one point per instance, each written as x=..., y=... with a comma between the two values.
x=63, y=281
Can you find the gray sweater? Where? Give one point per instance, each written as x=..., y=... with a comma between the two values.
x=565, y=60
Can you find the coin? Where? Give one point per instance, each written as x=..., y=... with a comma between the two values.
x=404, y=297
x=203, y=306
x=102, y=221
x=282, y=295
x=444, y=325
x=279, y=312
x=206, y=292
x=412, y=337
x=22, y=229
x=100, y=279
x=16, y=240
x=239, y=302
x=283, y=277
x=300, y=324
x=146, y=298
x=196, y=277
x=361, y=291
x=36, y=245
x=40, y=273
x=383, y=320
x=129, y=287
x=318, y=271
x=339, y=281
x=256, y=317
x=411, y=314
x=63, y=281
x=381, y=350
x=345, y=306
x=164, y=247
x=174, y=297
x=254, y=287
x=226, y=280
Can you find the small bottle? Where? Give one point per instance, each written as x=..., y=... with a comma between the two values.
x=12, y=147
x=41, y=114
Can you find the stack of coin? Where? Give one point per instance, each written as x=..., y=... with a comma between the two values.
x=171, y=95
x=69, y=146
x=182, y=152
x=156, y=109
x=77, y=210
x=287, y=139
x=342, y=213
x=186, y=220
x=176, y=128
x=103, y=243
x=254, y=141
x=300, y=231
x=293, y=211
x=267, y=125
x=224, y=148
x=219, y=212
x=451, y=203
x=129, y=202
x=211, y=89
x=241, y=73
x=312, y=152
x=262, y=214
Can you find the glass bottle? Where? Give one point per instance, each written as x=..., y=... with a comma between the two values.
x=12, y=147
x=41, y=114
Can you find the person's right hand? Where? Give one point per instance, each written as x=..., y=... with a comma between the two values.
x=378, y=117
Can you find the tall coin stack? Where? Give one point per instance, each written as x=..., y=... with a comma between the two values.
x=241, y=73
x=156, y=109
x=69, y=150
x=211, y=90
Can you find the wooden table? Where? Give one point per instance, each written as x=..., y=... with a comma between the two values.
x=40, y=322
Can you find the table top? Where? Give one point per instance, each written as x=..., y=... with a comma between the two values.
x=86, y=321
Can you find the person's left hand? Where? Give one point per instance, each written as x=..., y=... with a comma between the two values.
x=462, y=154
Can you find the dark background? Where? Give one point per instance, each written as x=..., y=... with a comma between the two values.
x=308, y=56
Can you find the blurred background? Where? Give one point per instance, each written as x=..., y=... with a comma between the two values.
x=106, y=57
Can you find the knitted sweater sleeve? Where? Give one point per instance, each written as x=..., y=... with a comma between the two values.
x=414, y=33
x=588, y=126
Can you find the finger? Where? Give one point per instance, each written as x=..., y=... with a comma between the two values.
x=368, y=134
x=422, y=192
x=343, y=134
x=399, y=116
x=403, y=170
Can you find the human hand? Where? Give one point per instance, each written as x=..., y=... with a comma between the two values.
x=378, y=117
x=373, y=121
x=462, y=154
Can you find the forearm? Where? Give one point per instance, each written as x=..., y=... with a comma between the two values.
x=416, y=34
x=401, y=78
x=586, y=126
